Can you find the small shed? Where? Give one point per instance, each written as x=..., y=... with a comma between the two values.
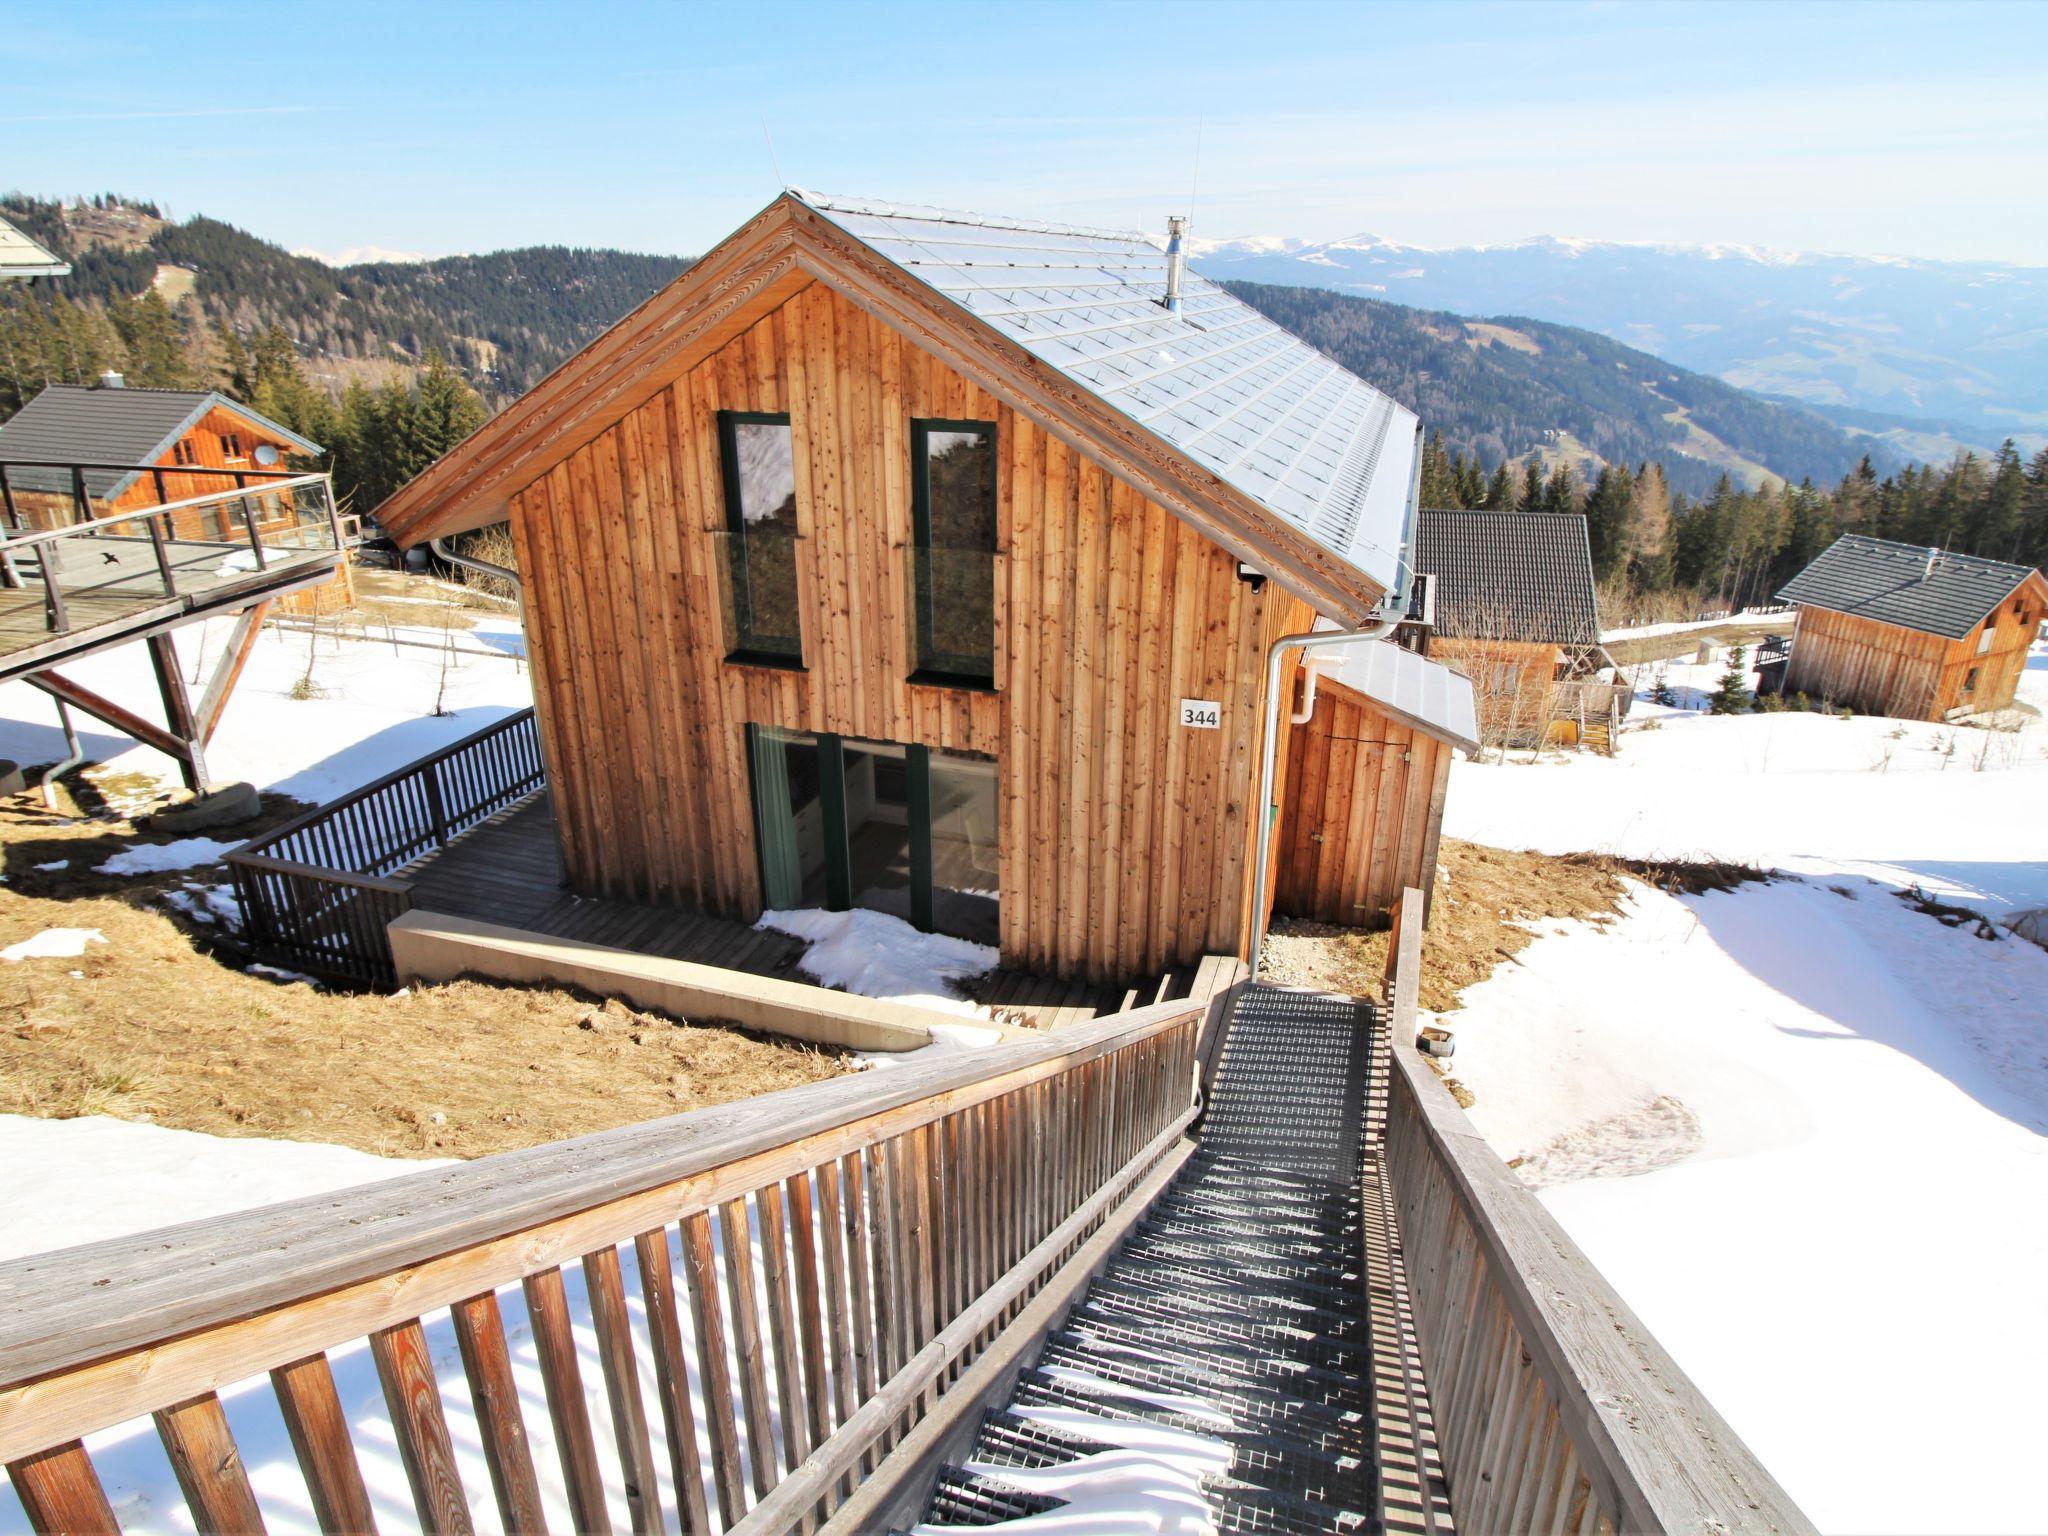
x=1917, y=633
x=1383, y=723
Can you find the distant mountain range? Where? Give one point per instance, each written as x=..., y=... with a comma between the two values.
x=1924, y=354
x=1501, y=388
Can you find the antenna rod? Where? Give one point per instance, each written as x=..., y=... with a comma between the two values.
x=773, y=158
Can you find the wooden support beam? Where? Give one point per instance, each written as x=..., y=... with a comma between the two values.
x=107, y=712
x=228, y=670
x=170, y=682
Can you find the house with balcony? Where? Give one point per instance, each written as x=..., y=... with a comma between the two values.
x=939, y=565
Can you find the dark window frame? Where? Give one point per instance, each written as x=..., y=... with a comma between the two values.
x=922, y=643
x=745, y=653
x=231, y=447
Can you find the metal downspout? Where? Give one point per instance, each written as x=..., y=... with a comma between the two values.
x=481, y=567
x=75, y=754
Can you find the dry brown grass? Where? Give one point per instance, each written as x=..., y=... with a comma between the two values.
x=1486, y=898
x=152, y=1026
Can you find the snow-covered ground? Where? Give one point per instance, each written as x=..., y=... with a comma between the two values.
x=1802, y=1127
x=366, y=705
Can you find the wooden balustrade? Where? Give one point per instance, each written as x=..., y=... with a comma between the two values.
x=1555, y=1408
x=316, y=893
x=814, y=1269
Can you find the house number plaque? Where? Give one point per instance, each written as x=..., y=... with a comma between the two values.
x=1201, y=714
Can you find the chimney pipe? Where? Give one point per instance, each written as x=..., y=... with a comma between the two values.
x=1933, y=558
x=1176, y=259
x=112, y=380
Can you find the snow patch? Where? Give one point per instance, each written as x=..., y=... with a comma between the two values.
x=875, y=955
x=54, y=944
x=151, y=858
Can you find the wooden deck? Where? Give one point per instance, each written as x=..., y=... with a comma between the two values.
x=508, y=870
x=113, y=589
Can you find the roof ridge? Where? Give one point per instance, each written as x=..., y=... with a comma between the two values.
x=1945, y=556
x=881, y=208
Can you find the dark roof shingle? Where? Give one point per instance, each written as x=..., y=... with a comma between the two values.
x=1509, y=575
x=1909, y=585
x=70, y=424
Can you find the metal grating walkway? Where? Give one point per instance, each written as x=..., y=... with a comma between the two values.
x=1217, y=1374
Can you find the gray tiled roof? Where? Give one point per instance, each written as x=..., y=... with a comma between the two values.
x=1311, y=442
x=1413, y=689
x=1510, y=575
x=1896, y=584
x=68, y=424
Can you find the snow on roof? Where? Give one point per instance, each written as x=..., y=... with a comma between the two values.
x=23, y=257
x=1909, y=585
x=1283, y=424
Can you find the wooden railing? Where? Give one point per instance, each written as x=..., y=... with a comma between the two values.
x=316, y=892
x=1555, y=1409
x=813, y=1270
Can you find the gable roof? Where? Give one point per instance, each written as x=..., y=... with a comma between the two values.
x=70, y=424
x=1895, y=583
x=1238, y=394
x=1412, y=689
x=1250, y=435
x=23, y=257
x=1509, y=575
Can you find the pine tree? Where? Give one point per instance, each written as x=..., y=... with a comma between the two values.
x=1607, y=519
x=1532, y=485
x=1733, y=697
x=154, y=342
x=1439, y=483
x=1500, y=495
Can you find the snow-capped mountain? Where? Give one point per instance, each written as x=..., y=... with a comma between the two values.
x=1959, y=348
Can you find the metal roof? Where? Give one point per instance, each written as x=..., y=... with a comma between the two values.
x=1313, y=443
x=1412, y=689
x=23, y=257
x=1905, y=584
x=1509, y=575
x=70, y=424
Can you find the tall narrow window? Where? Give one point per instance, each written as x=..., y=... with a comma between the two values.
x=953, y=575
x=760, y=539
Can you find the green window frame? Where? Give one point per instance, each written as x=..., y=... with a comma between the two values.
x=945, y=573
x=754, y=565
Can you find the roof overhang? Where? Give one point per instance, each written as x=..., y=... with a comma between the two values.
x=780, y=250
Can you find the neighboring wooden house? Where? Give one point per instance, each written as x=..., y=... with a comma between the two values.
x=163, y=445
x=1900, y=629
x=907, y=559
x=1507, y=599
x=1366, y=777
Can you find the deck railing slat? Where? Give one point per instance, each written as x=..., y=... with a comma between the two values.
x=508, y=1451
x=405, y=1367
x=318, y=1427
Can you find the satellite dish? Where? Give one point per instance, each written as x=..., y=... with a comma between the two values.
x=266, y=455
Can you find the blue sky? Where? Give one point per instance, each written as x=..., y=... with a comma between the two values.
x=435, y=127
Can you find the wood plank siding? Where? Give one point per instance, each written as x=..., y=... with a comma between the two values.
x=1513, y=684
x=1124, y=837
x=1363, y=802
x=1885, y=669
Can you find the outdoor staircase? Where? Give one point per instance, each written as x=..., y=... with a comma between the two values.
x=1235, y=1312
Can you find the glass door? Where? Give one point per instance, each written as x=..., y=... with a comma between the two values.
x=879, y=825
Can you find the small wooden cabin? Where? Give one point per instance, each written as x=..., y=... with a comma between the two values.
x=1367, y=774
x=1507, y=599
x=1898, y=629
x=908, y=559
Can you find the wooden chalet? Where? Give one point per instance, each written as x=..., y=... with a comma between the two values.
x=1507, y=599
x=1899, y=629
x=907, y=559
x=74, y=453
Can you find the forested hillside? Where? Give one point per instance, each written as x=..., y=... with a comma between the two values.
x=503, y=319
x=1503, y=387
x=1692, y=489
